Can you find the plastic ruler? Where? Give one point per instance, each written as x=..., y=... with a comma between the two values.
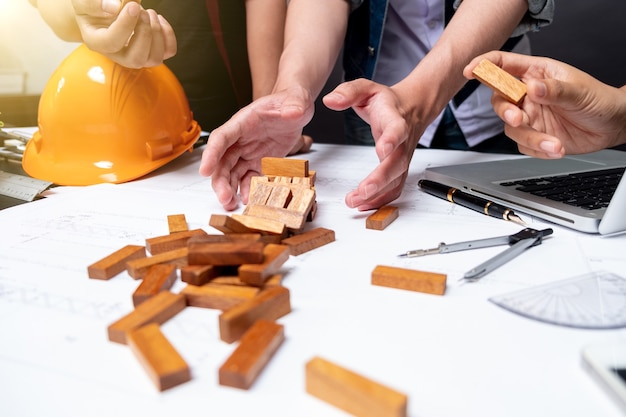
x=20, y=186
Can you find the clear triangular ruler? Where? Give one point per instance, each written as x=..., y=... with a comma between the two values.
x=592, y=301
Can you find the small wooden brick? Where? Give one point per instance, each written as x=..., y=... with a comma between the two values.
x=382, y=218
x=269, y=304
x=284, y=167
x=137, y=268
x=157, y=309
x=165, y=243
x=164, y=365
x=291, y=219
x=159, y=278
x=307, y=241
x=218, y=296
x=261, y=225
x=501, y=81
x=352, y=392
x=113, y=264
x=256, y=348
x=199, y=274
x=177, y=223
x=227, y=224
x=409, y=279
x=274, y=256
x=225, y=253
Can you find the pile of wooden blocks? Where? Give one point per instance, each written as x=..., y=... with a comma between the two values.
x=236, y=272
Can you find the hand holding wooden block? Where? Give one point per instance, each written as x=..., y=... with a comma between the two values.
x=501, y=81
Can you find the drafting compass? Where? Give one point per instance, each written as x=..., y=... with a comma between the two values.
x=518, y=243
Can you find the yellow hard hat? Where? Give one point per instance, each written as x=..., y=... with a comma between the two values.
x=101, y=122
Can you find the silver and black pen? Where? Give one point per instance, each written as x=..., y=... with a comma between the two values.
x=469, y=201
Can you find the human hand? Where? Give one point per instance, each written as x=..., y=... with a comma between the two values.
x=394, y=134
x=566, y=111
x=269, y=126
x=125, y=32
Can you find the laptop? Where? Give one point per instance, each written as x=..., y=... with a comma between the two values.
x=539, y=187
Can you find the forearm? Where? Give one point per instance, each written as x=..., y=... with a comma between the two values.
x=265, y=24
x=59, y=15
x=314, y=34
x=477, y=27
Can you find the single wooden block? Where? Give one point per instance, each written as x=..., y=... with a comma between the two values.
x=166, y=243
x=262, y=225
x=274, y=256
x=302, y=201
x=291, y=219
x=275, y=280
x=199, y=274
x=228, y=280
x=269, y=304
x=113, y=264
x=259, y=191
x=352, y=392
x=137, y=268
x=285, y=167
x=218, y=296
x=164, y=365
x=279, y=197
x=309, y=240
x=382, y=218
x=226, y=237
x=157, y=309
x=177, y=223
x=159, y=278
x=501, y=81
x=256, y=348
x=227, y=224
x=409, y=279
x=225, y=253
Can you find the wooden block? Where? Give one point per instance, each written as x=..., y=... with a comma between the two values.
x=113, y=264
x=218, y=296
x=159, y=278
x=256, y=348
x=157, y=309
x=274, y=256
x=261, y=225
x=285, y=167
x=225, y=253
x=199, y=274
x=164, y=365
x=352, y=392
x=275, y=280
x=166, y=243
x=382, y=218
x=409, y=279
x=279, y=197
x=290, y=219
x=228, y=280
x=227, y=224
x=227, y=237
x=177, y=223
x=137, y=268
x=269, y=304
x=259, y=192
x=306, y=241
x=501, y=81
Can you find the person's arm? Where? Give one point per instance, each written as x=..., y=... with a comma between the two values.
x=565, y=111
x=399, y=115
x=272, y=124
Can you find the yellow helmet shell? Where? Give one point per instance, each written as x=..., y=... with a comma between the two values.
x=100, y=122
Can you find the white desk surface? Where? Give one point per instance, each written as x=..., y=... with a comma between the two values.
x=453, y=355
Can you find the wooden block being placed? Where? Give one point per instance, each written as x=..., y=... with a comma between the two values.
x=137, y=268
x=409, y=279
x=113, y=264
x=284, y=167
x=166, y=243
x=352, y=392
x=501, y=81
x=256, y=348
x=382, y=218
x=218, y=296
x=306, y=241
x=177, y=223
x=157, y=309
x=227, y=224
x=164, y=365
x=236, y=252
x=274, y=256
x=159, y=278
x=269, y=304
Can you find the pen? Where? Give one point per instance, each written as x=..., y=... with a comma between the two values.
x=469, y=201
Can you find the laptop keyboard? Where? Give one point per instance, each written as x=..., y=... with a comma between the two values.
x=588, y=190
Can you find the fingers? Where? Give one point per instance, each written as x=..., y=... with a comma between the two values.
x=534, y=143
x=349, y=94
x=302, y=145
